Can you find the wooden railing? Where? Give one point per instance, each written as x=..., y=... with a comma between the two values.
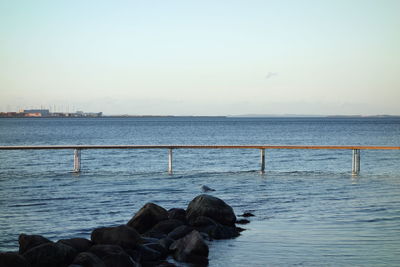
x=77, y=151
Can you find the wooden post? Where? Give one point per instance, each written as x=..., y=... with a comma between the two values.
x=355, y=169
x=77, y=160
x=170, y=161
x=262, y=160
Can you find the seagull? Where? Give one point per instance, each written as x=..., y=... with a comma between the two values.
x=270, y=75
x=205, y=188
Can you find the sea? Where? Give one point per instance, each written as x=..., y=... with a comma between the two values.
x=309, y=209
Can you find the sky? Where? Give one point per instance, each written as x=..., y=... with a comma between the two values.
x=329, y=57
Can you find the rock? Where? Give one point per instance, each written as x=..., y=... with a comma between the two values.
x=113, y=256
x=88, y=259
x=202, y=221
x=220, y=231
x=26, y=242
x=177, y=214
x=134, y=254
x=240, y=229
x=79, y=244
x=180, y=232
x=147, y=240
x=247, y=214
x=148, y=254
x=166, y=243
x=191, y=248
x=122, y=235
x=163, y=228
x=12, y=259
x=50, y=255
x=157, y=247
x=148, y=216
x=242, y=221
x=213, y=207
x=158, y=264
x=164, y=264
x=121, y=260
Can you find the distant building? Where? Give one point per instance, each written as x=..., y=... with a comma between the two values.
x=47, y=113
x=36, y=112
x=10, y=114
x=87, y=114
x=33, y=114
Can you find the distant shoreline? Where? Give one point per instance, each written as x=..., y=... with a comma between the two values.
x=228, y=116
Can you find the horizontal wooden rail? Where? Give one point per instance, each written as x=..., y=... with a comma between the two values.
x=77, y=151
x=195, y=147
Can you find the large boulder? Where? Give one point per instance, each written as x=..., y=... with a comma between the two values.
x=148, y=216
x=11, y=259
x=50, y=255
x=79, y=244
x=113, y=256
x=122, y=235
x=213, y=207
x=191, y=248
x=88, y=259
x=26, y=242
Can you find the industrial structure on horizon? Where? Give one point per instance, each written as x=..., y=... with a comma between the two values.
x=47, y=114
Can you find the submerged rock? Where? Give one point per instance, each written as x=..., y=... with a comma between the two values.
x=148, y=216
x=213, y=207
x=242, y=221
x=247, y=214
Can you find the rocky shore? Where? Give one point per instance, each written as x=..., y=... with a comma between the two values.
x=150, y=238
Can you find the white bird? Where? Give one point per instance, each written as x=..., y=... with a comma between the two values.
x=270, y=74
x=205, y=188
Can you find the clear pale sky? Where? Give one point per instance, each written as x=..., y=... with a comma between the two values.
x=201, y=57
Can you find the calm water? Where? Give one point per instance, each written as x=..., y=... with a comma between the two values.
x=309, y=210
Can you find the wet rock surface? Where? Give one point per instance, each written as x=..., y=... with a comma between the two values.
x=191, y=248
x=151, y=238
x=148, y=216
x=27, y=242
x=12, y=259
x=212, y=207
x=50, y=255
x=122, y=235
